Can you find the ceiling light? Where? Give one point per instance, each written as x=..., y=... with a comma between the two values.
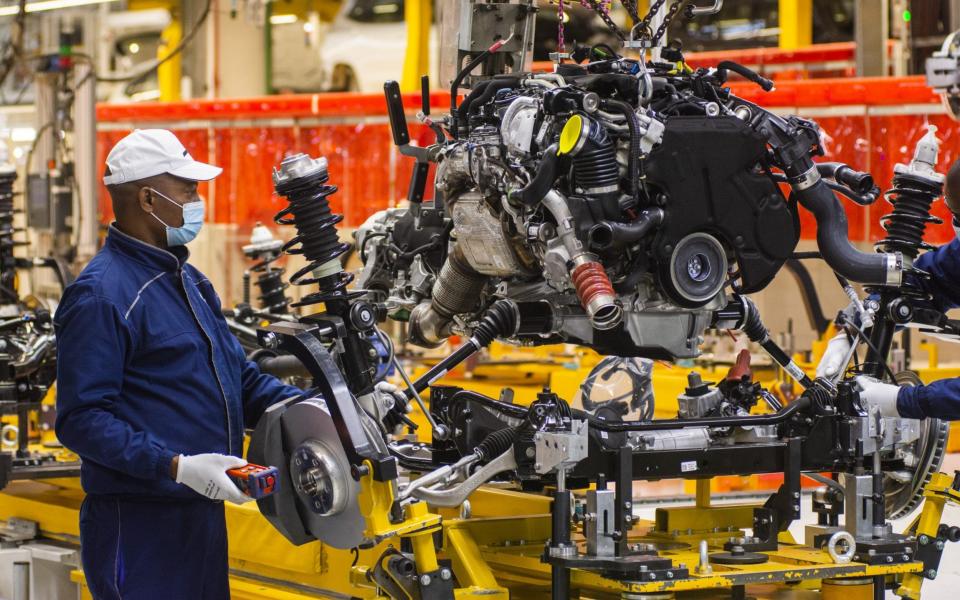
x=9, y=11
x=282, y=19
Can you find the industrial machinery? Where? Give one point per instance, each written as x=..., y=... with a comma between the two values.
x=27, y=355
x=629, y=206
x=943, y=73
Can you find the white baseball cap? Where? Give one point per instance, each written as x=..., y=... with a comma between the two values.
x=149, y=152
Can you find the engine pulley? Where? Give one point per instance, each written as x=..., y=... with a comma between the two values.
x=697, y=269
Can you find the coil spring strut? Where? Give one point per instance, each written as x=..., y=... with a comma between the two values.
x=302, y=181
x=272, y=287
x=7, y=260
x=911, y=197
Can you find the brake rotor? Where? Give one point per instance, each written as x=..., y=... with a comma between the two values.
x=904, y=490
x=319, y=471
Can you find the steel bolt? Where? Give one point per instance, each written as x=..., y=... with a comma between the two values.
x=924, y=540
x=424, y=580
x=446, y=574
x=889, y=559
x=627, y=504
x=939, y=545
x=931, y=574
x=270, y=340
x=669, y=574
x=653, y=576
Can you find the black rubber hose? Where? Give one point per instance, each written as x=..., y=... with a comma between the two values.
x=834, y=242
x=543, y=181
x=489, y=91
x=610, y=235
x=283, y=366
x=862, y=199
x=633, y=124
x=458, y=80
x=475, y=93
x=745, y=72
x=858, y=181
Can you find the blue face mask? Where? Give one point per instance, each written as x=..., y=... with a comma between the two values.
x=192, y=221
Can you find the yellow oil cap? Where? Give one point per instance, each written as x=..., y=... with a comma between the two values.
x=571, y=134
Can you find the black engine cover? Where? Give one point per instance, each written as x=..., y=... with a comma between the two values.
x=709, y=168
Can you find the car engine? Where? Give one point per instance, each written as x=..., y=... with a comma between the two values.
x=617, y=204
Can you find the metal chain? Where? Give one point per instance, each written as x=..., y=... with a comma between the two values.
x=671, y=14
x=643, y=26
x=631, y=8
x=601, y=10
x=561, y=43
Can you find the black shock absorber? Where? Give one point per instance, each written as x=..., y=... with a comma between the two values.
x=912, y=196
x=8, y=262
x=273, y=297
x=915, y=188
x=302, y=180
x=265, y=249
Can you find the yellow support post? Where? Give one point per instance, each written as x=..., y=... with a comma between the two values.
x=703, y=493
x=416, y=63
x=796, y=23
x=169, y=73
x=938, y=492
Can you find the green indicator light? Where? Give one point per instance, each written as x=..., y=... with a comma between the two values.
x=907, y=15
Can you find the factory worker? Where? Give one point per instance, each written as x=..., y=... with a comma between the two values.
x=153, y=391
x=939, y=399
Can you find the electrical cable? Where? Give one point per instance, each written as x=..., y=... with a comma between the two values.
x=880, y=356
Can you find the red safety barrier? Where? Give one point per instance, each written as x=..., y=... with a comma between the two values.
x=871, y=124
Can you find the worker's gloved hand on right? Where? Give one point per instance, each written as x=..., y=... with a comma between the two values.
x=837, y=349
x=206, y=474
x=878, y=394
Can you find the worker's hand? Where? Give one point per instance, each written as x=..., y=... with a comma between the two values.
x=879, y=394
x=837, y=349
x=395, y=406
x=206, y=474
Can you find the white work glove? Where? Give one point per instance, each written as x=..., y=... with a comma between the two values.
x=206, y=474
x=394, y=405
x=837, y=349
x=882, y=395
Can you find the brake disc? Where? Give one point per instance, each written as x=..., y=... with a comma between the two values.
x=319, y=470
x=904, y=490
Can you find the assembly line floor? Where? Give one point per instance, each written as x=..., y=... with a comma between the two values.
x=945, y=587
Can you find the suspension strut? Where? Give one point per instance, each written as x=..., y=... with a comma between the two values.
x=264, y=248
x=302, y=180
x=915, y=188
